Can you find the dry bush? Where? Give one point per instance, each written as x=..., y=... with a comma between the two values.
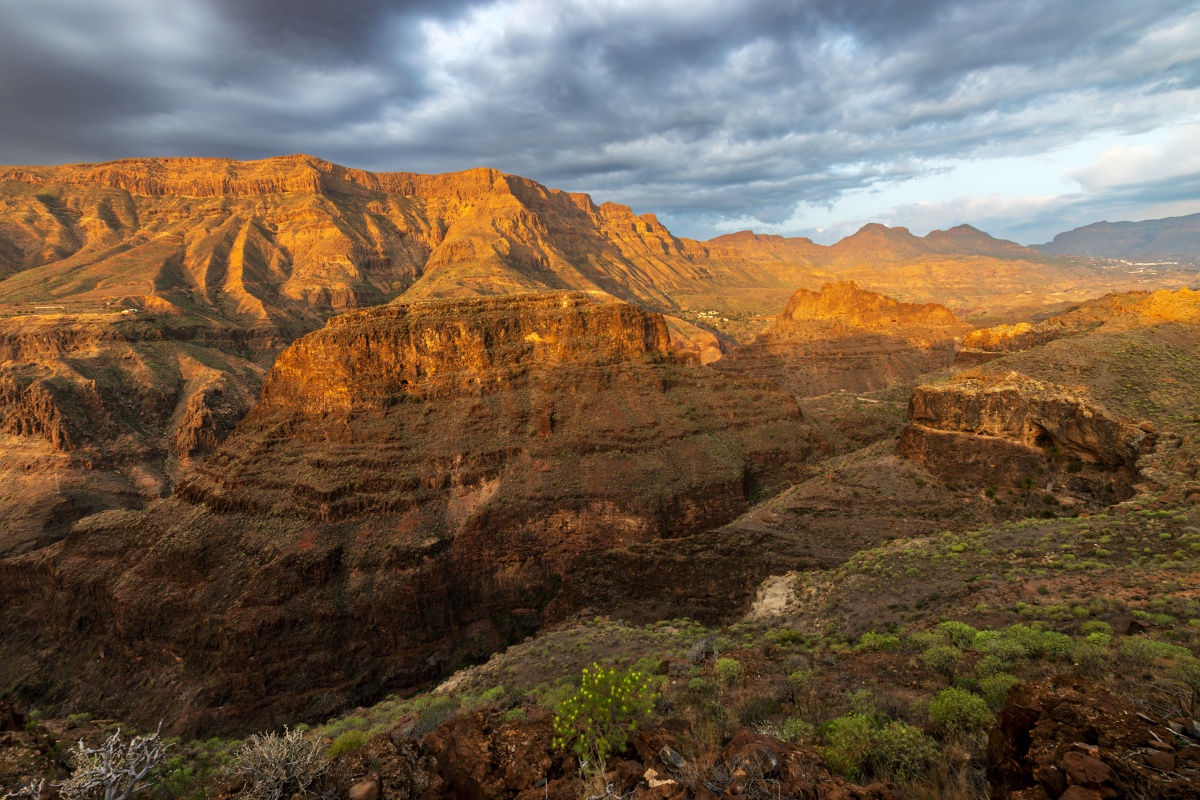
x=30, y=791
x=277, y=765
x=116, y=770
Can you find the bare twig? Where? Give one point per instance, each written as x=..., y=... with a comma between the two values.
x=115, y=770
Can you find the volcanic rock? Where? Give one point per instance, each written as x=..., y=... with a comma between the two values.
x=418, y=486
x=1010, y=430
x=844, y=337
x=1073, y=738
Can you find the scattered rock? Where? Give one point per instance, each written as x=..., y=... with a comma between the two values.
x=671, y=758
x=11, y=717
x=1072, y=739
x=365, y=790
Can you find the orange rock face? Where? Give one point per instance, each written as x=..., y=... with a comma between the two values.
x=1129, y=309
x=846, y=338
x=419, y=485
x=1015, y=431
x=105, y=411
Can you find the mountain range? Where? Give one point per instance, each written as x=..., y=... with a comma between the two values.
x=285, y=442
x=1173, y=239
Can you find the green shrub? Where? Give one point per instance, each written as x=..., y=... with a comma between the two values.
x=514, y=714
x=990, y=665
x=698, y=686
x=902, y=752
x=799, y=679
x=596, y=721
x=347, y=742
x=796, y=730
x=848, y=742
x=728, y=671
x=960, y=634
x=1037, y=643
x=1143, y=650
x=1096, y=626
x=862, y=703
x=942, y=659
x=923, y=640
x=995, y=688
x=1091, y=657
x=956, y=710
x=785, y=637
x=878, y=641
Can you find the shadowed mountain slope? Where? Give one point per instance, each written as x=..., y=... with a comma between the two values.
x=844, y=337
x=1168, y=239
x=419, y=485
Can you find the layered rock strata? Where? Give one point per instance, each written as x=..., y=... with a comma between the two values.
x=844, y=337
x=105, y=411
x=1014, y=431
x=419, y=485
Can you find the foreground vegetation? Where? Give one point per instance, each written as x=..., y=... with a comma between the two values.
x=907, y=700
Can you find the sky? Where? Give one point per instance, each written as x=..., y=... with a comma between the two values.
x=812, y=117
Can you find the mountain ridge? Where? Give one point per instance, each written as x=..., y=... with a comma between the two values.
x=287, y=242
x=1175, y=238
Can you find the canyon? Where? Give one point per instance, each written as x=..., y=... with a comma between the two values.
x=283, y=439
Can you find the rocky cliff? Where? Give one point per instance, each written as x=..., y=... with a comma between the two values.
x=419, y=485
x=1127, y=309
x=1014, y=431
x=105, y=411
x=286, y=242
x=844, y=337
x=1075, y=404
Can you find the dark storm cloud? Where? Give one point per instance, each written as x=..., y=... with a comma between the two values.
x=698, y=110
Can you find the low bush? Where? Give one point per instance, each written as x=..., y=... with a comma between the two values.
x=796, y=730
x=856, y=746
x=994, y=688
x=878, y=641
x=847, y=744
x=901, y=752
x=728, y=671
x=955, y=711
x=278, y=765
x=942, y=659
x=1145, y=651
x=959, y=634
x=347, y=742
x=596, y=721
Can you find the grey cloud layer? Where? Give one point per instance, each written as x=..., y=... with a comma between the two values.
x=698, y=110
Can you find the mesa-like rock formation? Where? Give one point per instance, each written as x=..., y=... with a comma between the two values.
x=844, y=337
x=1013, y=431
x=1072, y=414
x=419, y=485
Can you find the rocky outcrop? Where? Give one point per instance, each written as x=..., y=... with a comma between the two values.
x=100, y=411
x=844, y=337
x=1074, y=739
x=419, y=486
x=1130, y=308
x=478, y=755
x=1012, y=430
